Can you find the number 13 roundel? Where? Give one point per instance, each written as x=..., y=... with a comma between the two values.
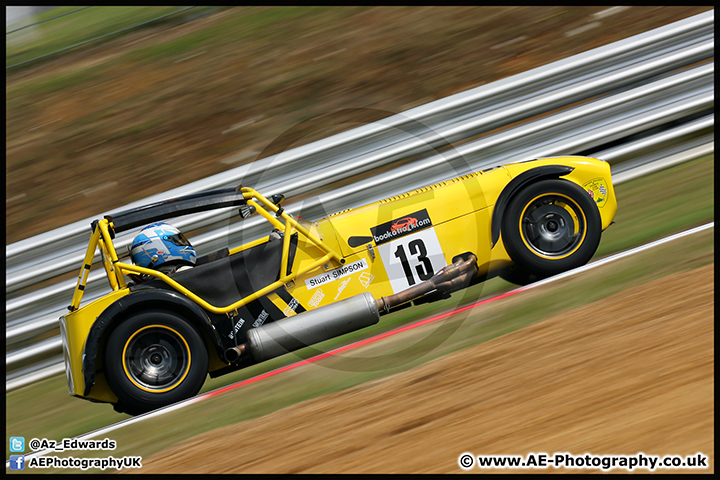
x=412, y=259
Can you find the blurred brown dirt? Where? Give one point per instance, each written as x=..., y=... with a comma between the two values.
x=631, y=373
x=97, y=128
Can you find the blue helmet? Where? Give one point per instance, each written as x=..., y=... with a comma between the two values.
x=160, y=243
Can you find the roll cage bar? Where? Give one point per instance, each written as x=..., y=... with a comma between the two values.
x=103, y=233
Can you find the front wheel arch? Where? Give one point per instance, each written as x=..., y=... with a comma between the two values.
x=515, y=186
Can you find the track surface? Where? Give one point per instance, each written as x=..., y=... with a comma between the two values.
x=632, y=373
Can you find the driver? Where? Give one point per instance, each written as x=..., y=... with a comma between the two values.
x=162, y=247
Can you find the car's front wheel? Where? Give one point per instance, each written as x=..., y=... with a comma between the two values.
x=551, y=226
x=153, y=359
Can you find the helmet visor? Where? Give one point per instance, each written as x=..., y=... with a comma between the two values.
x=179, y=239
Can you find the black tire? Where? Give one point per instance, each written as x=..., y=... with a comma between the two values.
x=152, y=359
x=551, y=226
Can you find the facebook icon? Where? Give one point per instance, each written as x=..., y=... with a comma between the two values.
x=17, y=462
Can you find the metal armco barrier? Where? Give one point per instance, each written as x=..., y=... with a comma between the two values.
x=635, y=101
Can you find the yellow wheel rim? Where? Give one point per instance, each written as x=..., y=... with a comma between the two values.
x=153, y=358
x=552, y=226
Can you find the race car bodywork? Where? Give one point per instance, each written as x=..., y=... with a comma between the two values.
x=151, y=342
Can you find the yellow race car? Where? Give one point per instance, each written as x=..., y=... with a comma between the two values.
x=153, y=339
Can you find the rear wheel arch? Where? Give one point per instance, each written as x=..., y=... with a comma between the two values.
x=133, y=304
x=155, y=357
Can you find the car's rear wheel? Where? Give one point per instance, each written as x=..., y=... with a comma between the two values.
x=153, y=359
x=551, y=226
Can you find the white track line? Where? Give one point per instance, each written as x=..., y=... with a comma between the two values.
x=590, y=266
x=624, y=254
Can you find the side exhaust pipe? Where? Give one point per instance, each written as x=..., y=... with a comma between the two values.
x=232, y=354
x=290, y=334
x=448, y=279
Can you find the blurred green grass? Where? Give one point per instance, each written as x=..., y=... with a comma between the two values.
x=45, y=410
x=665, y=202
x=96, y=21
x=253, y=22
